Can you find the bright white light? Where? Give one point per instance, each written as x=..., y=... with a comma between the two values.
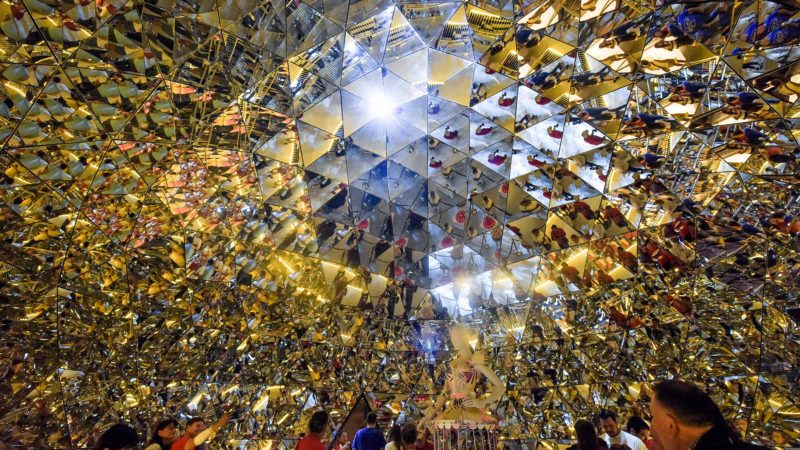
x=380, y=107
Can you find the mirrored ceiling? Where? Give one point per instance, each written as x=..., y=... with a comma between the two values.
x=281, y=205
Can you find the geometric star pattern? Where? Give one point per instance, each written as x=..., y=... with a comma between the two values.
x=282, y=204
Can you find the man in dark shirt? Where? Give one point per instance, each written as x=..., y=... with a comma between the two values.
x=369, y=437
x=685, y=417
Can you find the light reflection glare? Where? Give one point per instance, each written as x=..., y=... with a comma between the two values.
x=381, y=107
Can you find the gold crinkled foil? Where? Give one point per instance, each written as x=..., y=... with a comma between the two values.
x=277, y=206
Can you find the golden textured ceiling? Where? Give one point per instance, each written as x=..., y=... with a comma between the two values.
x=280, y=205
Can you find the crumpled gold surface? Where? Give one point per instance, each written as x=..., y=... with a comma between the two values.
x=279, y=205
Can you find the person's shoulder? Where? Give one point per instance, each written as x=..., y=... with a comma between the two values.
x=179, y=443
x=633, y=436
x=744, y=445
x=309, y=445
x=633, y=440
x=630, y=436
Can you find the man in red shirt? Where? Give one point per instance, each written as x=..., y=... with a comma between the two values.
x=423, y=442
x=613, y=215
x=626, y=258
x=409, y=435
x=559, y=235
x=316, y=429
x=571, y=274
x=591, y=138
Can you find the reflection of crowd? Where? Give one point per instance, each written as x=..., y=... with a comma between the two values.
x=744, y=103
x=687, y=92
x=694, y=23
x=627, y=32
x=548, y=79
x=589, y=79
x=776, y=29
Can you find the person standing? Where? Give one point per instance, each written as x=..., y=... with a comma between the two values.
x=197, y=434
x=685, y=417
x=118, y=437
x=639, y=428
x=369, y=437
x=614, y=435
x=164, y=433
x=409, y=436
x=341, y=441
x=587, y=437
x=395, y=438
x=424, y=440
x=316, y=430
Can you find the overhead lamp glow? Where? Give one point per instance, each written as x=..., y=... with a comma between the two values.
x=380, y=107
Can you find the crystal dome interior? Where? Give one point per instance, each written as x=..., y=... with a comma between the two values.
x=284, y=204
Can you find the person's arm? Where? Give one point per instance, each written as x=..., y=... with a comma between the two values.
x=356, y=440
x=498, y=387
x=209, y=432
x=433, y=409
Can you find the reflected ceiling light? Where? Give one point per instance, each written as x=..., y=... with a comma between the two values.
x=380, y=107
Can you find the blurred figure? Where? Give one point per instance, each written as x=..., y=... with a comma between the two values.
x=164, y=433
x=740, y=425
x=341, y=441
x=686, y=417
x=558, y=235
x=408, y=436
x=197, y=434
x=639, y=428
x=423, y=441
x=395, y=438
x=587, y=437
x=614, y=435
x=369, y=437
x=779, y=439
x=118, y=437
x=316, y=429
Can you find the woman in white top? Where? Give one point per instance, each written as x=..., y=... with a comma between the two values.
x=395, y=439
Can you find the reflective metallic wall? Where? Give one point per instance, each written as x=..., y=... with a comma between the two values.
x=281, y=204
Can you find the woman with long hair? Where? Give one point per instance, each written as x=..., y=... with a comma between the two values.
x=395, y=438
x=587, y=437
x=164, y=434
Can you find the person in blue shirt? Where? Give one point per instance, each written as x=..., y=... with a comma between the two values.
x=756, y=32
x=697, y=22
x=742, y=104
x=369, y=437
x=786, y=34
x=689, y=89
